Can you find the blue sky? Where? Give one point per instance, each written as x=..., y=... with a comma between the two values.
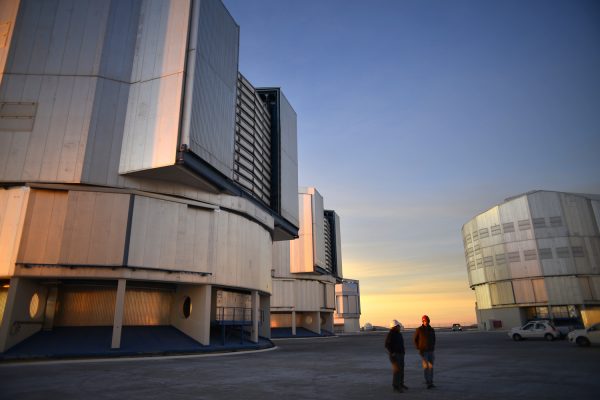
x=414, y=116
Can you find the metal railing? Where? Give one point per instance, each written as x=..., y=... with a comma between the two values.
x=234, y=314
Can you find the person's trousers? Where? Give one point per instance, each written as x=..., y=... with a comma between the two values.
x=397, y=360
x=427, y=358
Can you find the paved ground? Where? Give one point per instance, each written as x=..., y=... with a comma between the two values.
x=469, y=365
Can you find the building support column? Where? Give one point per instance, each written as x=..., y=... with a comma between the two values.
x=318, y=323
x=118, y=321
x=255, y=315
x=293, y=323
x=50, y=311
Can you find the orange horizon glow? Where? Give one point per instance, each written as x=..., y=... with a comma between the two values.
x=406, y=292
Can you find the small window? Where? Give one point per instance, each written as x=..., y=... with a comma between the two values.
x=556, y=222
x=496, y=230
x=563, y=252
x=545, y=254
x=488, y=261
x=475, y=235
x=500, y=259
x=578, y=251
x=539, y=223
x=34, y=305
x=477, y=247
x=17, y=116
x=187, y=307
x=471, y=264
x=508, y=227
x=479, y=262
x=513, y=256
x=524, y=225
x=483, y=233
x=468, y=238
x=530, y=255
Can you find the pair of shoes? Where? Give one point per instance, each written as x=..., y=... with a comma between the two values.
x=398, y=389
x=404, y=386
x=430, y=386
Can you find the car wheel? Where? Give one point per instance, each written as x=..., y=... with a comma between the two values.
x=582, y=341
x=549, y=337
x=517, y=337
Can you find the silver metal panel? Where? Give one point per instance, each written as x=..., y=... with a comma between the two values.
x=120, y=38
x=213, y=97
x=318, y=229
x=289, y=161
x=338, y=245
x=105, y=132
x=59, y=37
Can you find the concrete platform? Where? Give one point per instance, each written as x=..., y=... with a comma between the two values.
x=82, y=342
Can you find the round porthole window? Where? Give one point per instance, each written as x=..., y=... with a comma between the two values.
x=187, y=307
x=34, y=305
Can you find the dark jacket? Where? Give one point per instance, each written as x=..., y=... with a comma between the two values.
x=394, y=343
x=424, y=338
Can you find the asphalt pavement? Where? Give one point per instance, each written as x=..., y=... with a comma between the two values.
x=469, y=365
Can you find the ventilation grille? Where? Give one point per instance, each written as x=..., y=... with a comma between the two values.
x=252, y=158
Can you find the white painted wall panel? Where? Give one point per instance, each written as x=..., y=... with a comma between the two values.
x=318, y=230
x=564, y=290
x=8, y=16
x=502, y=293
x=13, y=208
x=281, y=258
x=482, y=295
x=539, y=290
x=236, y=251
x=523, y=290
x=283, y=294
x=578, y=215
x=44, y=227
x=301, y=249
x=154, y=106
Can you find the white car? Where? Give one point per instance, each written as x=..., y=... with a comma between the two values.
x=585, y=337
x=535, y=329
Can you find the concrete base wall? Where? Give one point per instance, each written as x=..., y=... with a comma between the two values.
x=508, y=317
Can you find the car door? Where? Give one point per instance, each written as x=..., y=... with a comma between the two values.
x=593, y=334
x=527, y=330
x=539, y=330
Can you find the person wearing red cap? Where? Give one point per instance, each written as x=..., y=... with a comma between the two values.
x=394, y=344
x=424, y=339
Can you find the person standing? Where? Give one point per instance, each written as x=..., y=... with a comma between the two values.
x=394, y=344
x=424, y=339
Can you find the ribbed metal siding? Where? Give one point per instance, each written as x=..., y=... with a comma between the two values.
x=214, y=88
x=85, y=307
x=328, y=245
x=147, y=307
x=96, y=307
x=252, y=160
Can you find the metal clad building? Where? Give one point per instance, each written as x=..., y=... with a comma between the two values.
x=119, y=199
x=536, y=255
x=308, y=289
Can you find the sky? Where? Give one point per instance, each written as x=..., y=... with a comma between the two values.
x=416, y=115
